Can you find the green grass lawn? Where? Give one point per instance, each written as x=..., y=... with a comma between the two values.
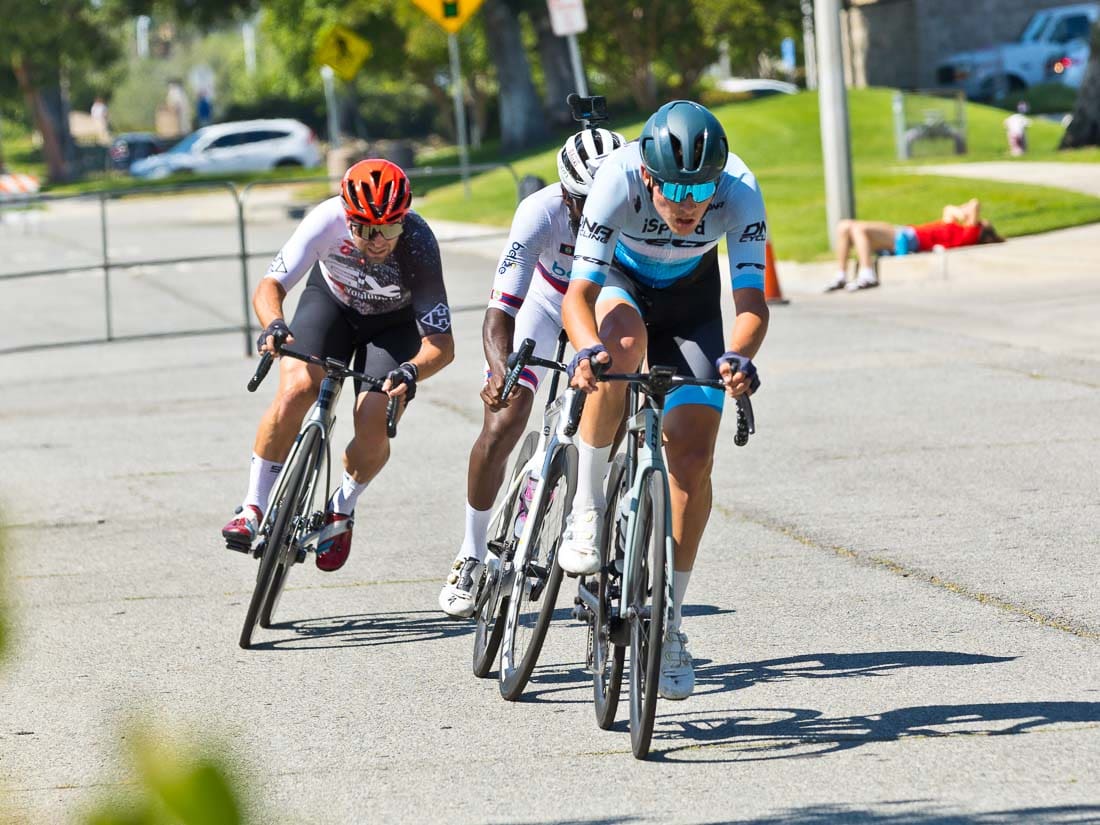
x=779, y=138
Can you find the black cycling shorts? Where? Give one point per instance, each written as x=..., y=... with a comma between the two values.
x=683, y=325
x=324, y=327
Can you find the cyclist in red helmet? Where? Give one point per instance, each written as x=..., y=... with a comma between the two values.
x=374, y=290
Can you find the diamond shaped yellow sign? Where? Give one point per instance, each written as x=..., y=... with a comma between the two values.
x=450, y=14
x=343, y=50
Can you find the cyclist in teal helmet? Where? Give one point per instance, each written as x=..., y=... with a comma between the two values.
x=645, y=284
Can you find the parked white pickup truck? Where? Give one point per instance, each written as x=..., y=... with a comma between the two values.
x=1049, y=50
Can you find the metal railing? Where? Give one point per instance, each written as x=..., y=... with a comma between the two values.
x=242, y=255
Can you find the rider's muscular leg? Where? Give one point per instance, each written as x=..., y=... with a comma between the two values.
x=368, y=452
x=500, y=432
x=298, y=386
x=690, y=435
x=622, y=331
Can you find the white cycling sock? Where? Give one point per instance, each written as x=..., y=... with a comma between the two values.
x=867, y=274
x=591, y=469
x=475, y=542
x=262, y=475
x=344, y=499
x=680, y=580
x=841, y=276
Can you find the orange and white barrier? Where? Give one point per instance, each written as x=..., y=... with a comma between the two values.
x=17, y=183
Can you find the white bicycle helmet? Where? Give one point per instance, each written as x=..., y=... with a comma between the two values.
x=582, y=155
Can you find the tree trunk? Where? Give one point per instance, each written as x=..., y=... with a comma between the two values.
x=522, y=123
x=49, y=110
x=1084, y=129
x=556, y=68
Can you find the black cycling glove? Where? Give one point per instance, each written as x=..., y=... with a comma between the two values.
x=407, y=374
x=589, y=353
x=278, y=330
x=739, y=363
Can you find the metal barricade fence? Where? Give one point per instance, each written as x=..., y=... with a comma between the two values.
x=26, y=210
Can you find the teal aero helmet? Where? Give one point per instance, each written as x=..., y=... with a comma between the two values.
x=682, y=142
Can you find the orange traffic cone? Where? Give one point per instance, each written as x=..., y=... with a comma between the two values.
x=772, y=293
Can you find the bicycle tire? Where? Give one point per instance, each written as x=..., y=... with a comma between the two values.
x=289, y=551
x=549, y=514
x=290, y=494
x=492, y=602
x=647, y=599
x=608, y=657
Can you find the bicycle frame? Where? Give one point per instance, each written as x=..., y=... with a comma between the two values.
x=321, y=417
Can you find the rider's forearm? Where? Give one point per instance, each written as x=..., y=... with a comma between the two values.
x=751, y=324
x=578, y=314
x=436, y=352
x=496, y=336
x=267, y=300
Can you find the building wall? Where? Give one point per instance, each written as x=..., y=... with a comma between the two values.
x=899, y=42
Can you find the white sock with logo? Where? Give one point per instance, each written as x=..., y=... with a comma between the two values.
x=680, y=580
x=591, y=468
x=475, y=542
x=262, y=475
x=343, y=501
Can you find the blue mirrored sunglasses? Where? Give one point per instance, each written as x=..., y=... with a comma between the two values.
x=677, y=192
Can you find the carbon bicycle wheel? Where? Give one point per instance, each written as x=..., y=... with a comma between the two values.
x=284, y=509
x=535, y=588
x=493, y=597
x=646, y=604
x=607, y=657
x=313, y=451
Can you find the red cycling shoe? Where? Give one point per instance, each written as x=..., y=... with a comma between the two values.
x=241, y=531
x=334, y=543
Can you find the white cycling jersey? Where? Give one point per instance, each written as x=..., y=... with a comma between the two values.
x=533, y=274
x=621, y=228
x=540, y=245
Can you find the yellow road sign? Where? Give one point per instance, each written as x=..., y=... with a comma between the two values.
x=343, y=50
x=450, y=14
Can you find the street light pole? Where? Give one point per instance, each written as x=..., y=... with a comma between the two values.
x=833, y=103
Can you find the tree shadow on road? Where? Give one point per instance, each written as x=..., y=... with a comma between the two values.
x=720, y=678
x=762, y=734
x=366, y=630
x=851, y=815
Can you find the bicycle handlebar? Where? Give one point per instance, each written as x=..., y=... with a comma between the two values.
x=659, y=380
x=333, y=369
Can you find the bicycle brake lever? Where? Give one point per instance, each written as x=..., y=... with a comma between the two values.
x=391, y=416
x=261, y=371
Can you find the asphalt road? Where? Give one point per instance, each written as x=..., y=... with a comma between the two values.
x=894, y=613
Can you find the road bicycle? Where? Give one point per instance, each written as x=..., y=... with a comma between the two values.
x=293, y=522
x=520, y=587
x=636, y=554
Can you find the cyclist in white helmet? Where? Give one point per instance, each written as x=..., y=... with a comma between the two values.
x=531, y=279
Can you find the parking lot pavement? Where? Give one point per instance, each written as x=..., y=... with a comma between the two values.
x=893, y=615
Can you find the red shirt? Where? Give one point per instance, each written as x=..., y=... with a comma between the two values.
x=947, y=235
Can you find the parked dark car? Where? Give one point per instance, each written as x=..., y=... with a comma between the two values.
x=134, y=146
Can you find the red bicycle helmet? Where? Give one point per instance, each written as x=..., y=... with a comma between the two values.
x=376, y=191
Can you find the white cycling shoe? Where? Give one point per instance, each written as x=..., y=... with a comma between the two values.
x=458, y=598
x=677, y=669
x=579, y=552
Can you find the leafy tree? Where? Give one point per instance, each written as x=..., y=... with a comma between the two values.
x=53, y=42
x=1084, y=128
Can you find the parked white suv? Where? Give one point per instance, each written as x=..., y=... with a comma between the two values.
x=240, y=146
x=1054, y=40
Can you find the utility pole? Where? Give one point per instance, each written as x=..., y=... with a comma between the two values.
x=833, y=103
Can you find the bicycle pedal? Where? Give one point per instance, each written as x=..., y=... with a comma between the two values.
x=239, y=546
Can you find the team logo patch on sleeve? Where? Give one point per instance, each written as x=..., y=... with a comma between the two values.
x=439, y=317
x=278, y=265
x=754, y=232
x=566, y=249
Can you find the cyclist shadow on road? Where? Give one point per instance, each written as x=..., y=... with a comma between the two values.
x=926, y=812
x=763, y=734
x=366, y=630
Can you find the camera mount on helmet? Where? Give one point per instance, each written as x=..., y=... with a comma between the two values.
x=591, y=111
